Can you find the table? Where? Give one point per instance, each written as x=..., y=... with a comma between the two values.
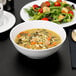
x=12, y=63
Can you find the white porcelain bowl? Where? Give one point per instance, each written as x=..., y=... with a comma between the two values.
x=37, y=54
x=24, y=15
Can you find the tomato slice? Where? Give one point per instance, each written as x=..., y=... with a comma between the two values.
x=47, y=3
x=57, y=4
x=46, y=19
x=71, y=12
x=40, y=10
x=35, y=6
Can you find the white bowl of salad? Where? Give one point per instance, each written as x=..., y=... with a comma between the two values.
x=37, y=39
x=60, y=12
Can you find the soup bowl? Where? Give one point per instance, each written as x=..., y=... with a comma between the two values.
x=41, y=53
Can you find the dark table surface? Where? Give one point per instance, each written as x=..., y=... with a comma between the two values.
x=13, y=63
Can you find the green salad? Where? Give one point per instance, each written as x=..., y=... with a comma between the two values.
x=58, y=12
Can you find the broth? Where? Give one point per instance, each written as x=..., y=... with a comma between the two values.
x=37, y=39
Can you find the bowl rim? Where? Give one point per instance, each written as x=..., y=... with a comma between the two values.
x=36, y=49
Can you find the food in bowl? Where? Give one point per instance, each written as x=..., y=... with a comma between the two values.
x=37, y=53
x=38, y=39
x=58, y=12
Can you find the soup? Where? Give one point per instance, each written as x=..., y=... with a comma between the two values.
x=37, y=39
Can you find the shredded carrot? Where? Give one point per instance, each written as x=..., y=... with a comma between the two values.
x=53, y=44
x=49, y=38
x=49, y=33
x=25, y=32
x=21, y=32
x=50, y=45
x=40, y=42
x=18, y=35
x=28, y=46
x=29, y=34
x=32, y=43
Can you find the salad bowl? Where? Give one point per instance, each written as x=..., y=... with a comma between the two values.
x=25, y=16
